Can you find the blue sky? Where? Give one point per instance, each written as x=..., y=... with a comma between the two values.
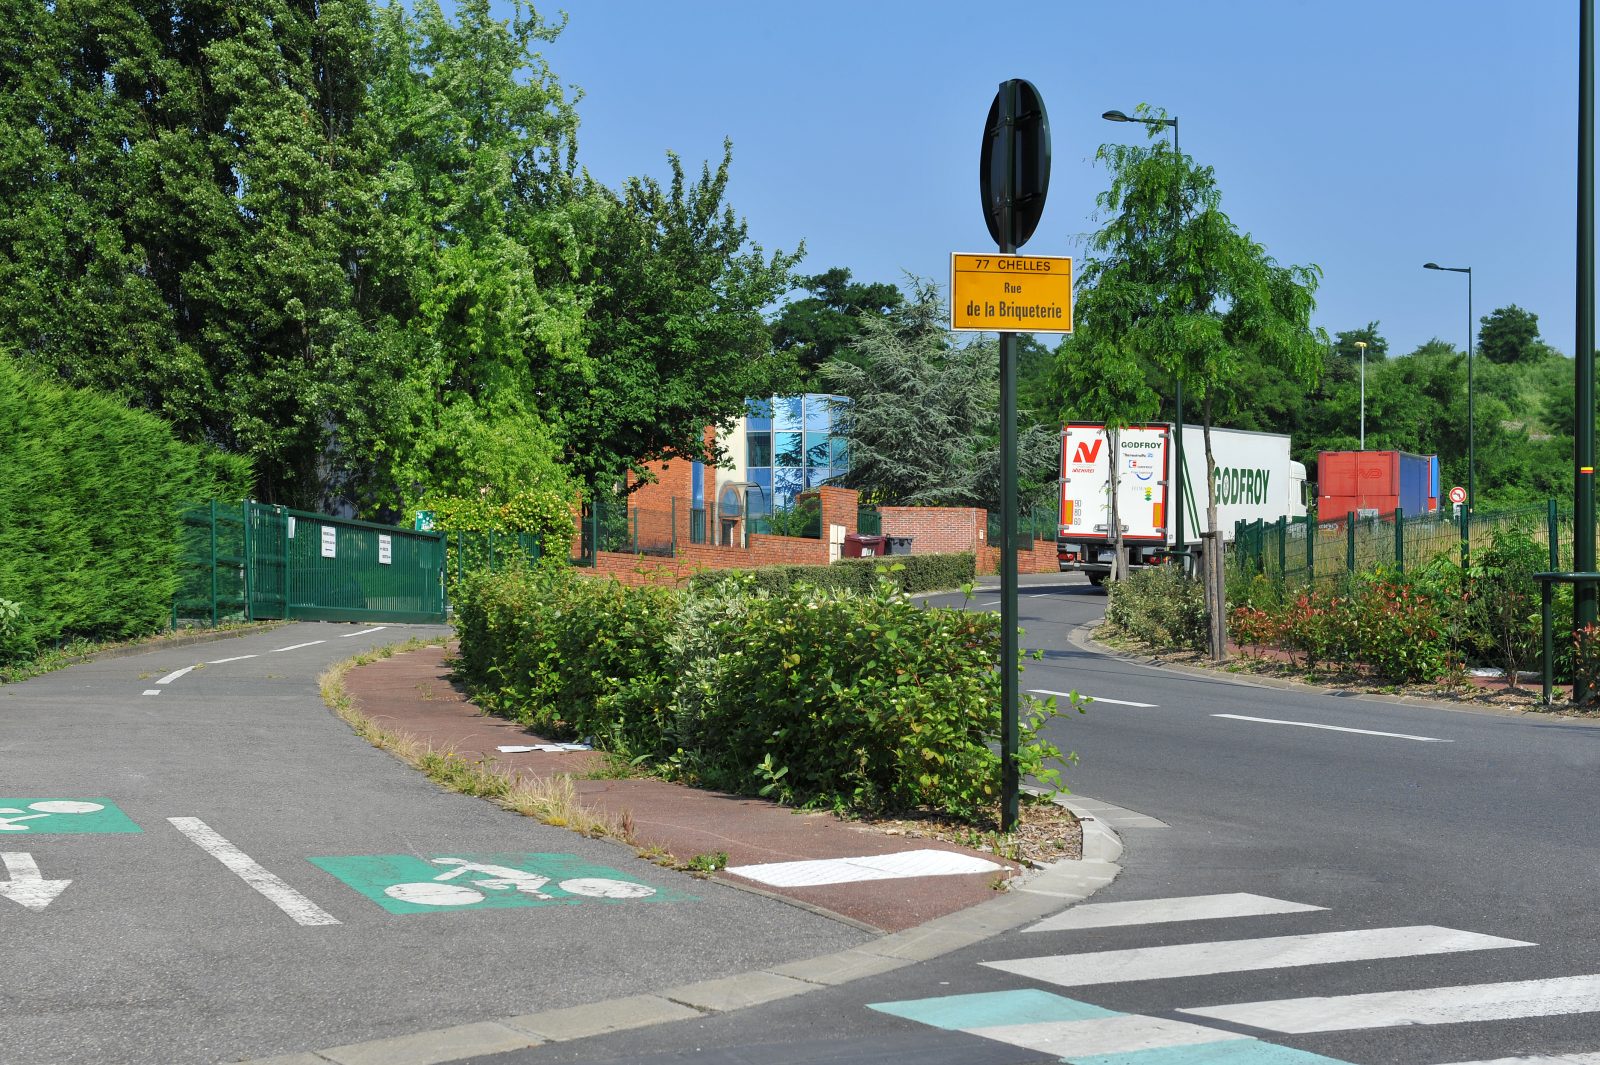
x=1365, y=137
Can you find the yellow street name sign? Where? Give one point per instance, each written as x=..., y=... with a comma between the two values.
x=1011, y=293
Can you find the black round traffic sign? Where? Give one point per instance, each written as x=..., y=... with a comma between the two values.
x=1013, y=184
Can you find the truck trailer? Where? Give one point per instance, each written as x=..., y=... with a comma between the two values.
x=1256, y=479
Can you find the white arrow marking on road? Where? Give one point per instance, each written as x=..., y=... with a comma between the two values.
x=1334, y=728
x=174, y=675
x=280, y=894
x=26, y=885
x=363, y=632
x=295, y=647
x=1094, y=698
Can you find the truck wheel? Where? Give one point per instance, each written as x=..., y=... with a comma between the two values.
x=1097, y=579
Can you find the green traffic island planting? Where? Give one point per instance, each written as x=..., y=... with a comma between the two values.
x=859, y=703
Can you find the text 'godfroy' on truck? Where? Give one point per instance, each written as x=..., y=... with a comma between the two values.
x=1256, y=480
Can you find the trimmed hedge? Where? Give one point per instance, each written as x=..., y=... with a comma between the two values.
x=818, y=697
x=910, y=573
x=91, y=495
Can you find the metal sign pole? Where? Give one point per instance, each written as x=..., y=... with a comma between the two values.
x=1010, y=783
x=1583, y=531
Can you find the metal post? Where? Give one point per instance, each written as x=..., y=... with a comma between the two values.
x=1350, y=543
x=1283, y=548
x=1546, y=597
x=1311, y=548
x=594, y=529
x=213, y=563
x=674, y=526
x=1010, y=782
x=1177, y=384
x=1466, y=539
x=1583, y=532
x=1400, y=539
x=249, y=563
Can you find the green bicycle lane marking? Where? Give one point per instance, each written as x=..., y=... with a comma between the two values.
x=406, y=883
x=38, y=817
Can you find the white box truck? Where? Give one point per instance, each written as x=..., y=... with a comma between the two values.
x=1256, y=479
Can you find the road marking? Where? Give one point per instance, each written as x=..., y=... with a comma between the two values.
x=1334, y=728
x=1090, y=1035
x=295, y=647
x=1543, y=1059
x=1247, y=955
x=409, y=883
x=280, y=894
x=26, y=885
x=1431, y=1005
x=1093, y=698
x=152, y=691
x=175, y=674
x=1128, y=1034
x=992, y=602
x=49, y=816
x=363, y=632
x=225, y=661
x=871, y=867
x=1164, y=911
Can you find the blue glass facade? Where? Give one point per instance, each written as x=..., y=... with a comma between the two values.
x=793, y=443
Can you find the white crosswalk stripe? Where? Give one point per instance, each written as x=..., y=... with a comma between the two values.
x=1430, y=1005
x=1163, y=911
x=1540, y=1059
x=1245, y=955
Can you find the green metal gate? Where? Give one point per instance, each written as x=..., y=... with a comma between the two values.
x=263, y=562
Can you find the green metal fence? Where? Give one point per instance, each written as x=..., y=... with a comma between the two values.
x=1325, y=548
x=255, y=561
x=470, y=551
x=869, y=521
x=1037, y=523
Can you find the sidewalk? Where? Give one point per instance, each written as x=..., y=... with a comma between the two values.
x=412, y=693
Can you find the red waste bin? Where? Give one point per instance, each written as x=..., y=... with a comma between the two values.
x=857, y=545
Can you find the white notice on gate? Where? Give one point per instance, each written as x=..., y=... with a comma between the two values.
x=385, y=556
x=330, y=541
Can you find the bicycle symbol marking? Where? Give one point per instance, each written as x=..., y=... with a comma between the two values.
x=417, y=883
x=437, y=892
x=53, y=816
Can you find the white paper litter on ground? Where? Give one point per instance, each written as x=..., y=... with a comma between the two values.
x=553, y=748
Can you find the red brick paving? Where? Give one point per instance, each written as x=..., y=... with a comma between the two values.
x=412, y=693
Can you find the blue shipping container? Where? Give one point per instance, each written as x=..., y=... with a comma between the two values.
x=1416, y=478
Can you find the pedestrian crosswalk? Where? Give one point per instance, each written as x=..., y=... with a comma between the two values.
x=1082, y=1032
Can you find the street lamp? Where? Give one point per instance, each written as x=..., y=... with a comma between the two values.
x=1472, y=494
x=1177, y=382
x=1362, y=344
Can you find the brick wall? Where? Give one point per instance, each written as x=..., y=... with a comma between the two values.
x=936, y=530
x=1041, y=558
x=764, y=550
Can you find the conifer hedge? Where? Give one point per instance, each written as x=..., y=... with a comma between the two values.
x=91, y=496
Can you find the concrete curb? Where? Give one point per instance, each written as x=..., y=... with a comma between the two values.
x=1038, y=895
x=1082, y=638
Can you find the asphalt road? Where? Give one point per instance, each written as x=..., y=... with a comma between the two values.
x=185, y=809
x=1458, y=852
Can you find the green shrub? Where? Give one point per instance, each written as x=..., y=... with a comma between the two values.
x=92, y=495
x=910, y=573
x=1159, y=605
x=809, y=695
x=1503, y=603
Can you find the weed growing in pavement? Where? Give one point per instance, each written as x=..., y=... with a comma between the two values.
x=706, y=864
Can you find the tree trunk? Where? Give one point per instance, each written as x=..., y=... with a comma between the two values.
x=1119, y=554
x=1214, y=572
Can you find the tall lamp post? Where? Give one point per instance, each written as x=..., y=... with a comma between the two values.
x=1362, y=344
x=1177, y=382
x=1472, y=465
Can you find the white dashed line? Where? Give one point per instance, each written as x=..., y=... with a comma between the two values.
x=280, y=894
x=174, y=675
x=363, y=632
x=152, y=691
x=295, y=647
x=1333, y=728
x=1094, y=698
x=235, y=658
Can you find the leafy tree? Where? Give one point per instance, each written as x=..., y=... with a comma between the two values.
x=923, y=425
x=1170, y=282
x=823, y=325
x=1511, y=334
x=675, y=338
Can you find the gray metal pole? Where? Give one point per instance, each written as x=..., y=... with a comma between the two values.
x=1177, y=385
x=1472, y=410
x=1010, y=782
x=1583, y=545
